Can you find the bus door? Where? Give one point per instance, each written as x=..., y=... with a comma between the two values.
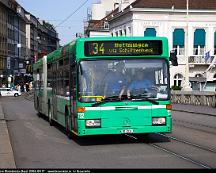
x=54, y=99
x=73, y=97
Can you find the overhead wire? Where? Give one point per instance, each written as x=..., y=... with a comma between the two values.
x=72, y=13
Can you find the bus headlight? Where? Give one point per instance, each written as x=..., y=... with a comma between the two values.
x=158, y=121
x=93, y=123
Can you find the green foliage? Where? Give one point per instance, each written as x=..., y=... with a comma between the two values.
x=174, y=87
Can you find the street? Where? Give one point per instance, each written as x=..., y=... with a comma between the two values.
x=36, y=144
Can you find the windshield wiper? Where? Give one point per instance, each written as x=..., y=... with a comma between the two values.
x=142, y=97
x=107, y=99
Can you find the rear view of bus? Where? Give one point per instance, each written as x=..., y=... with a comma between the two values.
x=122, y=86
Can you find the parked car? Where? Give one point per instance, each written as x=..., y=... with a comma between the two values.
x=9, y=92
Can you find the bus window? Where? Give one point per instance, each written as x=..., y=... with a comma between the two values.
x=93, y=78
x=66, y=82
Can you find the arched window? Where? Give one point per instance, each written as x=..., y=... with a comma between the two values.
x=198, y=75
x=178, y=79
x=150, y=32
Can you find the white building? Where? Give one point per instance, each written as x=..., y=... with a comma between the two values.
x=105, y=7
x=168, y=18
x=97, y=24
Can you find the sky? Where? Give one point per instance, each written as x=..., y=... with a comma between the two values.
x=56, y=11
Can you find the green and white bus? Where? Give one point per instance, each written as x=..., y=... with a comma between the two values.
x=78, y=86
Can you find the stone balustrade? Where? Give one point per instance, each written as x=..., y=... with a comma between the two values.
x=202, y=98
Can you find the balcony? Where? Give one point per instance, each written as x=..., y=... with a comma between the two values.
x=200, y=60
x=179, y=51
x=198, y=57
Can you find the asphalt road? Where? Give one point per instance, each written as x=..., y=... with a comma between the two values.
x=38, y=145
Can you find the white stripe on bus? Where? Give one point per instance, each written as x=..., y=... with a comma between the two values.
x=63, y=97
x=114, y=108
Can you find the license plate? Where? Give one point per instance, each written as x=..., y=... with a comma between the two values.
x=127, y=131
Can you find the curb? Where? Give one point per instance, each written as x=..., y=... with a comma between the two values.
x=6, y=151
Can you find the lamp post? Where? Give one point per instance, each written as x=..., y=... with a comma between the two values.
x=186, y=86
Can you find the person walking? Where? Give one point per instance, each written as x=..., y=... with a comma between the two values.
x=27, y=87
x=18, y=88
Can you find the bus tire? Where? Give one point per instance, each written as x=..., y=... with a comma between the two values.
x=37, y=105
x=39, y=114
x=50, y=115
x=67, y=125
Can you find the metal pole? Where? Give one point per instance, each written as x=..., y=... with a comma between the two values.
x=186, y=86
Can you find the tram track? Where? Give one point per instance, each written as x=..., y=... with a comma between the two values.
x=187, y=142
x=192, y=112
x=166, y=149
x=195, y=126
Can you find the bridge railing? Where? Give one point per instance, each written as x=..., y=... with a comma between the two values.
x=202, y=98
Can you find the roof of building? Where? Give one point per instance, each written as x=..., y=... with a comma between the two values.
x=99, y=24
x=176, y=4
x=161, y=4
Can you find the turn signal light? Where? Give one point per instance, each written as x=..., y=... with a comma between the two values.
x=169, y=107
x=80, y=109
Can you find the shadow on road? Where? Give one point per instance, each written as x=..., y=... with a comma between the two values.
x=112, y=139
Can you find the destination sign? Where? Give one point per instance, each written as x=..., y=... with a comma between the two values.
x=123, y=48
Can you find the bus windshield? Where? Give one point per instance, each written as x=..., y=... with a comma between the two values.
x=133, y=78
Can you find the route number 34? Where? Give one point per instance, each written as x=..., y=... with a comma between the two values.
x=98, y=48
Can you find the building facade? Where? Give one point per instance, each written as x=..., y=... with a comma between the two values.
x=23, y=39
x=169, y=18
x=3, y=42
x=12, y=62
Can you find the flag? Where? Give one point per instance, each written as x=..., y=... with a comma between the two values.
x=207, y=55
x=213, y=63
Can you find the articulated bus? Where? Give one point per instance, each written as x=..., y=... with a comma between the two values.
x=87, y=86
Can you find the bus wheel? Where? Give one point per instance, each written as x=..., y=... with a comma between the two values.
x=50, y=116
x=39, y=114
x=37, y=104
x=67, y=125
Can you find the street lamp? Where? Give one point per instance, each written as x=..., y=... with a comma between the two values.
x=186, y=86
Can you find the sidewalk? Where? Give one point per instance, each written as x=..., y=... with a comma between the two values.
x=206, y=110
x=6, y=152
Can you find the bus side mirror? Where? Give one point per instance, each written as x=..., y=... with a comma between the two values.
x=173, y=58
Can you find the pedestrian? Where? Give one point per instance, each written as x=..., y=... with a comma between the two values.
x=27, y=87
x=30, y=86
x=13, y=86
x=215, y=97
x=18, y=88
x=22, y=88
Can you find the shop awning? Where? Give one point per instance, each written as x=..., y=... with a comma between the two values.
x=178, y=37
x=150, y=32
x=199, y=37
